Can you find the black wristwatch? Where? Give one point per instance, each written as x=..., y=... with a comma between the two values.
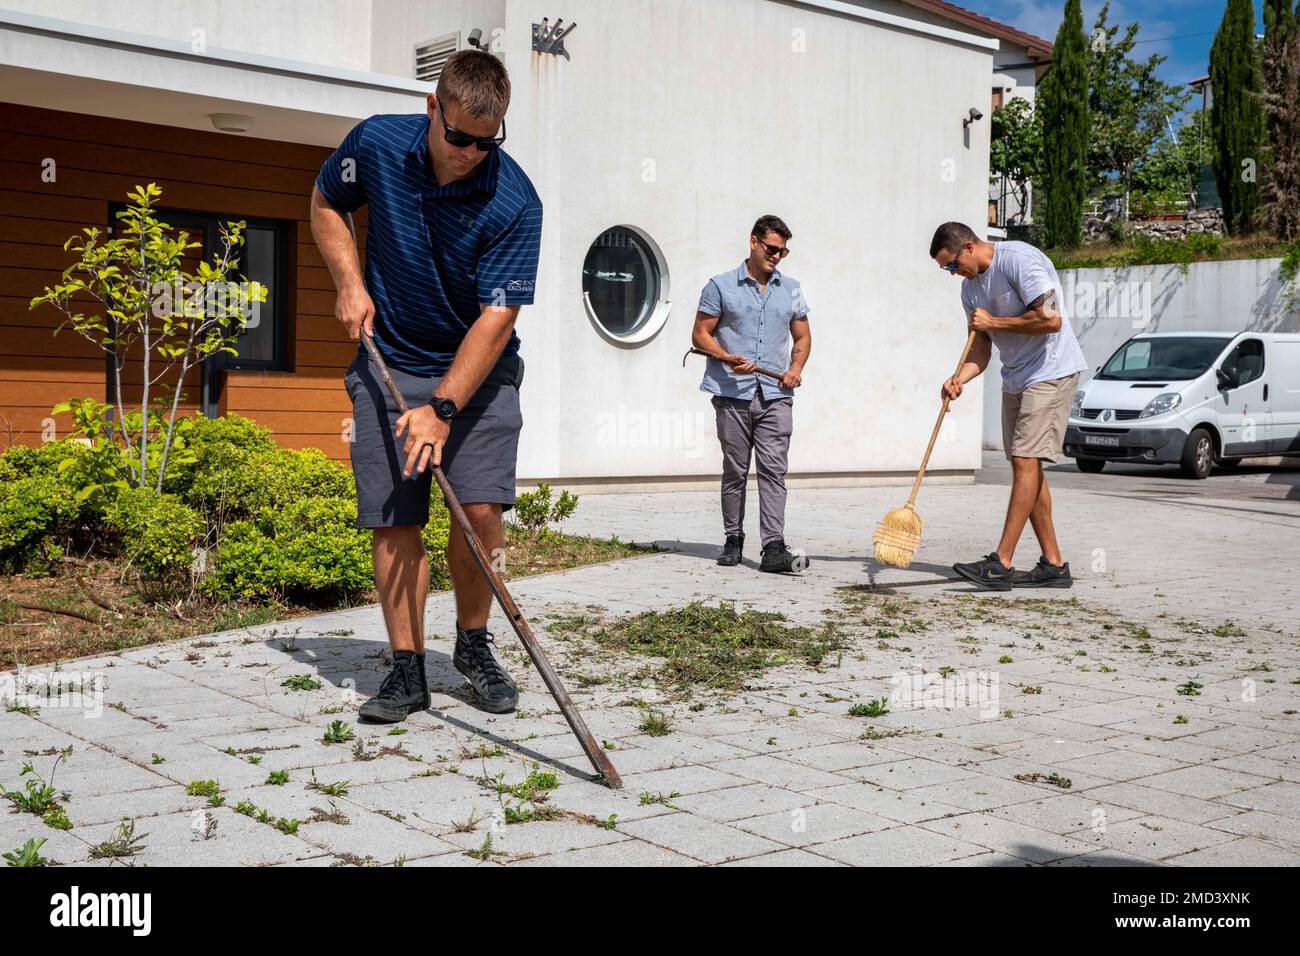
x=444, y=408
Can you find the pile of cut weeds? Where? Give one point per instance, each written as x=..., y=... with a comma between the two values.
x=706, y=647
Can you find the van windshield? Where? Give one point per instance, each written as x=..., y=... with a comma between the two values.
x=1172, y=359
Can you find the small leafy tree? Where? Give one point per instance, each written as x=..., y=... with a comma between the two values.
x=147, y=302
x=1016, y=148
x=1131, y=109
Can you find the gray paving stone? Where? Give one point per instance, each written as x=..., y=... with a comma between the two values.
x=903, y=806
x=626, y=853
x=701, y=839
x=900, y=846
x=777, y=772
x=1246, y=852
x=1156, y=838
x=819, y=823
x=1009, y=837
x=1204, y=782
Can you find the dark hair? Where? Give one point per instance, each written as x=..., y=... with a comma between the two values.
x=768, y=224
x=950, y=236
x=477, y=82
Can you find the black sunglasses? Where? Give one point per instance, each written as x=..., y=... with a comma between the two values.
x=461, y=140
x=952, y=266
x=779, y=251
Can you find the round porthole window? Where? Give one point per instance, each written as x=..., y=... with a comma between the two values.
x=624, y=284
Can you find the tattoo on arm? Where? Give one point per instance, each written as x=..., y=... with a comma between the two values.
x=1046, y=302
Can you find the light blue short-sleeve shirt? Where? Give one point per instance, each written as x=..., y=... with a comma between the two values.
x=753, y=324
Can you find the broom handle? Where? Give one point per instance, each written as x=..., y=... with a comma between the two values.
x=916, y=485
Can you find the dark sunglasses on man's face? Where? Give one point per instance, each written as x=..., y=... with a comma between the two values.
x=952, y=266
x=779, y=251
x=461, y=140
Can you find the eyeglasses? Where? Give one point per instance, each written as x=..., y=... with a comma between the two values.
x=951, y=267
x=461, y=140
x=779, y=251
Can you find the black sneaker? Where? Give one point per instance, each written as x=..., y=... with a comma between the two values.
x=989, y=573
x=1044, y=575
x=777, y=558
x=493, y=689
x=730, y=555
x=403, y=692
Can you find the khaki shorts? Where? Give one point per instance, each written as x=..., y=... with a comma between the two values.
x=1033, y=421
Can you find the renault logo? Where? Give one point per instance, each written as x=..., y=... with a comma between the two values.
x=1108, y=414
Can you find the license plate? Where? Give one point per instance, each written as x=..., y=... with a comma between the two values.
x=1109, y=441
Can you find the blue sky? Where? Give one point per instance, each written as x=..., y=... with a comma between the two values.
x=1181, y=30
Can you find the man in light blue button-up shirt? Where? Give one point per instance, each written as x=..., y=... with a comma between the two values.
x=746, y=320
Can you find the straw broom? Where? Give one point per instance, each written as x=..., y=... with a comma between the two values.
x=899, y=534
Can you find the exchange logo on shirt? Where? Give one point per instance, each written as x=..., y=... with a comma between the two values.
x=520, y=285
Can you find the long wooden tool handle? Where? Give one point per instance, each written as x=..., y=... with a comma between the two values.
x=916, y=485
x=761, y=371
x=595, y=753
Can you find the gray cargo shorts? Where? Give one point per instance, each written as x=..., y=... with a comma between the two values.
x=478, y=458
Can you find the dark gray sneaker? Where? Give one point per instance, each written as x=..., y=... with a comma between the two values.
x=493, y=689
x=778, y=558
x=403, y=692
x=730, y=555
x=1044, y=575
x=990, y=573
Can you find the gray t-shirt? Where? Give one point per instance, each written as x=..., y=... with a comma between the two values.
x=1018, y=275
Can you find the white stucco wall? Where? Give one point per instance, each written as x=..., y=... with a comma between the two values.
x=689, y=119
x=1109, y=306
x=334, y=32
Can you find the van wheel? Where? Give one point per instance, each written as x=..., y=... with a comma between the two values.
x=1090, y=466
x=1198, y=454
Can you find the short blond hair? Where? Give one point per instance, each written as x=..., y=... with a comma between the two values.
x=477, y=82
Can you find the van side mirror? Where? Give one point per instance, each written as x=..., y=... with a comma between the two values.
x=1227, y=379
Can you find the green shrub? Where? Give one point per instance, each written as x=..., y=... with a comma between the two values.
x=435, y=535
x=243, y=483
x=158, y=532
x=308, y=548
x=32, y=509
x=216, y=444
x=534, y=509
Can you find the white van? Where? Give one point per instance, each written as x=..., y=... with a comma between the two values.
x=1192, y=398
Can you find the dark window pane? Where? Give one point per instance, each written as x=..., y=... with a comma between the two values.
x=621, y=279
x=257, y=341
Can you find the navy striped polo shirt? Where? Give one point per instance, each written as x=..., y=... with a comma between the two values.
x=434, y=253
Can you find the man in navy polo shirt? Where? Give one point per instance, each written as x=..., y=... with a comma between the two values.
x=452, y=243
x=745, y=321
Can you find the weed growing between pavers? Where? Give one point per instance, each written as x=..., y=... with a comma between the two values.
x=40, y=798
x=706, y=647
x=123, y=842
x=29, y=854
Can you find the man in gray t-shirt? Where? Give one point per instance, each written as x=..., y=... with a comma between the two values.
x=1013, y=299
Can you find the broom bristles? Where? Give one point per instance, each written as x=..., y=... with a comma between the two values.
x=898, y=536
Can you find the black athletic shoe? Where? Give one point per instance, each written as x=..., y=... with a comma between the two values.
x=1044, y=575
x=493, y=689
x=989, y=573
x=777, y=558
x=403, y=692
x=730, y=555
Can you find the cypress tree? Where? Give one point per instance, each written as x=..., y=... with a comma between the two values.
x=1281, y=81
x=1236, y=115
x=1063, y=100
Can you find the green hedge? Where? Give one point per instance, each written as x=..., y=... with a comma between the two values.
x=277, y=522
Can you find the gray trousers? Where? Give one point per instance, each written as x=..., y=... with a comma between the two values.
x=760, y=428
